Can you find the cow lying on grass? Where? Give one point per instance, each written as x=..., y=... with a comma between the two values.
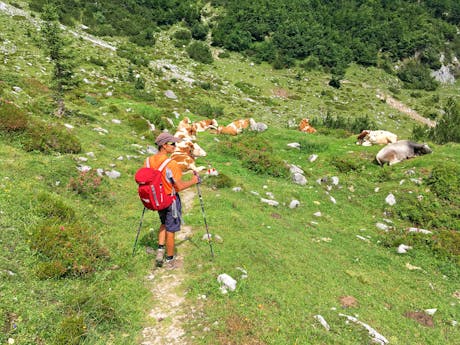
x=304, y=126
x=369, y=138
x=401, y=150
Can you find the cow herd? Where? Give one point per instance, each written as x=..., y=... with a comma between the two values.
x=187, y=150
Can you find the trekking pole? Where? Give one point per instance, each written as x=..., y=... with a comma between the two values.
x=138, y=230
x=202, y=211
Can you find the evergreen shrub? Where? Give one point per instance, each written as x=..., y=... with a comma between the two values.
x=210, y=111
x=256, y=154
x=444, y=181
x=200, y=52
x=12, y=119
x=51, y=206
x=66, y=249
x=49, y=138
x=448, y=127
x=219, y=181
x=71, y=330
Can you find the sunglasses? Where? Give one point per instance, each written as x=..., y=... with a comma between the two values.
x=171, y=143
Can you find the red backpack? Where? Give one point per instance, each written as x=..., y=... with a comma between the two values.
x=151, y=189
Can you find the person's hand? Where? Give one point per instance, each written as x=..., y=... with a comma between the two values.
x=196, y=177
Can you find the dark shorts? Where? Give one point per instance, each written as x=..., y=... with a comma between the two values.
x=170, y=218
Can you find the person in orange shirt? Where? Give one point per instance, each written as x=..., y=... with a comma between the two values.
x=172, y=180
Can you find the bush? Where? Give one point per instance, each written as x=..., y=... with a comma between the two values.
x=427, y=211
x=49, y=138
x=50, y=206
x=143, y=39
x=444, y=181
x=345, y=164
x=182, y=35
x=66, y=249
x=12, y=119
x=87, y=183
x=199, y=31
x=444, y=244
x=210, y=111
x=219, y=181
x=420, y=133
x=71, y=330
x=200, y=52
x=256, y=154
x=417, y=76
x=448, y=128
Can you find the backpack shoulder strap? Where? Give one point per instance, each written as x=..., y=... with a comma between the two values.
x=164, y=164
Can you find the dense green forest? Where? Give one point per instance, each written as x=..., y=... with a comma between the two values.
x=315, y=34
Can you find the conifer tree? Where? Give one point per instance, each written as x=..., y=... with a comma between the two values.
x=56, y=48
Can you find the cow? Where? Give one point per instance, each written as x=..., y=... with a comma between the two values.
x=235, y=127
x=304, y=126
x=380, y=137
x=203, y=125
x=401, y=150
x=185, y=154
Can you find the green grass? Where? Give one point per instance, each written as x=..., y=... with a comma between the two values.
x=294, y=271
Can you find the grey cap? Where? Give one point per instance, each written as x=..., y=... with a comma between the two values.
x=164, y=137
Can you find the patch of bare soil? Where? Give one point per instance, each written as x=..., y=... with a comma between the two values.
x=170, y=309
x=421, y=317
x=348, y=301
x=282, y=93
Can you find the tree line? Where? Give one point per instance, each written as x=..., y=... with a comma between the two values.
x=310, y=33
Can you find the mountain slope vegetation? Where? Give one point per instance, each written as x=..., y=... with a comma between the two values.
x=69, y=210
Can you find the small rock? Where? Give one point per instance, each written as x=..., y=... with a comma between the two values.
x=170, y=94
x=113, y=174
x=431, y=311
x=84, y=168
x=294, y=204
x=227, y=283
x=390, y=199
x=294, y=145
x=312, y=158
x=299, y=179
x=422, y=231
x=382, y=226
x=270, y=202
x=402, y=248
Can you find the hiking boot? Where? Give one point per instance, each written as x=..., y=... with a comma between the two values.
x=173, y=263
x=159, y=257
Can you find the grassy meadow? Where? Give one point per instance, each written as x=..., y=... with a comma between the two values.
x=66, y=239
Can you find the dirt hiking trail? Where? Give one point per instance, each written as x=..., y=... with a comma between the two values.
x=170, y=310
x=405, y=109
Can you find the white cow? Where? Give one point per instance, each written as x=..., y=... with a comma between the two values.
x=380, y=137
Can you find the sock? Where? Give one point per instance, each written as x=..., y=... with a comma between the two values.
x=169, y=257
x=161, y=246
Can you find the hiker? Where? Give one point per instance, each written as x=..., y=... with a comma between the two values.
x=171, y=216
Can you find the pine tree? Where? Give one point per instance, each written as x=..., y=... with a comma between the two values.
x=56, y=48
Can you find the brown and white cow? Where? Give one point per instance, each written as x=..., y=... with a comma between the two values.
x=203, y=125
x=401, y=150
x=304, y=126
x=235, y=127
x=185, y=154
x=379, y=137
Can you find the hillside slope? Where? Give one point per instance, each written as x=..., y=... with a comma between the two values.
x=68, y=274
